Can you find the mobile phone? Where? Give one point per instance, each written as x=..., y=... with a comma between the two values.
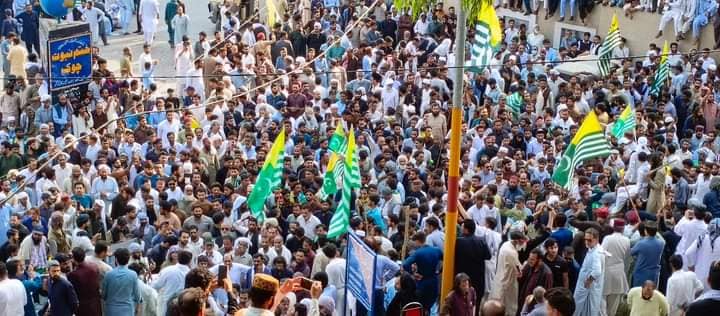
x=306, y=283
x=222, y=274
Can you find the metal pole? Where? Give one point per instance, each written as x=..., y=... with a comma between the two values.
x=451, y=215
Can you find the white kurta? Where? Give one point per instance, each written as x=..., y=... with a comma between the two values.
x=588, y=301
x=149, y=14
x=702, y=256
x=505, y=285
x=689, y=231
x=681, y=289
x=616, y=264
x=94, y=18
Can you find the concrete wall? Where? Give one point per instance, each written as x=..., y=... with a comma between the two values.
x=639, y=32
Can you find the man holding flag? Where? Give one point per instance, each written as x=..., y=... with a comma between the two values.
x=269, y=178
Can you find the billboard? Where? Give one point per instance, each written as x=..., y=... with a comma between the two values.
x=70, y=61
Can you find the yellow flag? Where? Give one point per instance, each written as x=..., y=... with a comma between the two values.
x=271, y=12
x=665, y=53
x=488, y=16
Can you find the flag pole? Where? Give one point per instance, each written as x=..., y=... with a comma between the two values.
x=347, y=256
x=451, y=215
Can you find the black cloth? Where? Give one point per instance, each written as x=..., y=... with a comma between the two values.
x=704, y=307
x=470, y=255
x=558, y=267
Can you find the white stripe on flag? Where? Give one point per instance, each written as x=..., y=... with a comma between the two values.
x=360, y=270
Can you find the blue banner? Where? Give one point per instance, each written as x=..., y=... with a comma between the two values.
x=70, y=61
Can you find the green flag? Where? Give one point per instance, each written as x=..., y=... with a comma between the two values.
x=589, y=142
x=333, y=175
x=269, y=178
x=338, y=140
x=662, y=73
x=612, y=40
x=515, y=103
x=340, y=221
x=624, y=123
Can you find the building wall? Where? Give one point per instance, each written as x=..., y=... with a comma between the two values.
x=639, y=32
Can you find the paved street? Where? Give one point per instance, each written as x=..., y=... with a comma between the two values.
x=198, y=13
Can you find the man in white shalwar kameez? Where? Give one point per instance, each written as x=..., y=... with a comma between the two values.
x=615, y=283
x=149, y=16
x=505, y=285
x=183, y=64
x=704, y=251
x=689, y=228
x=93, y=16
x=493, y=240
x=589, y=288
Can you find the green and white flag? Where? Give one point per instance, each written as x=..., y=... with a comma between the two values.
x=338, y=140
x=340, y=221
x=624, y=123
x=481, y=52
x=612, y=40
x=269, y=178
x=589, y=142
x=333, y=175
x=515, y=103
x=662, y=73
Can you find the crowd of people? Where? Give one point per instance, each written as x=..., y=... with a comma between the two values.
x=131, y=200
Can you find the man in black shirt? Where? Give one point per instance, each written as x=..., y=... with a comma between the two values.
x=709, y=302
x=557, y=263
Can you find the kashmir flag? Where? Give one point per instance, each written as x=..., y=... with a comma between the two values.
x=272, y=12
x=361, y=263
x=333, y=175
x=338, y=140
x=514, y=103
x=589, y=142
x=624, y=123
x=663, y=72
x=611, y=41
x=269, y=178
x=487, y=36
x=340, y=221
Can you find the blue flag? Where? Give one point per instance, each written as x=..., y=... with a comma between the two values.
x=360, y=270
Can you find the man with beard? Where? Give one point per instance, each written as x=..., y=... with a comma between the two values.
x=61, y=293
x=105, y=188
x=35, y=249
x=201, y=221
x=505, y=284
x=81, y=238
x=86, y=280
x=56, y=235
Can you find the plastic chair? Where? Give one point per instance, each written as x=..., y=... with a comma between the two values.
x=412, y=309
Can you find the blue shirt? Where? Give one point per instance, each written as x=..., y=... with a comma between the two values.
x=563, y=236
x=121, y=291
x=62, y=297
x=427, y=259
x=385, y=270
x=647, y=253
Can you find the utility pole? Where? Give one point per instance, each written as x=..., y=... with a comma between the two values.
x=451, y=215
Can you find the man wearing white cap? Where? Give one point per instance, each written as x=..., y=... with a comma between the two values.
x=43, y=114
